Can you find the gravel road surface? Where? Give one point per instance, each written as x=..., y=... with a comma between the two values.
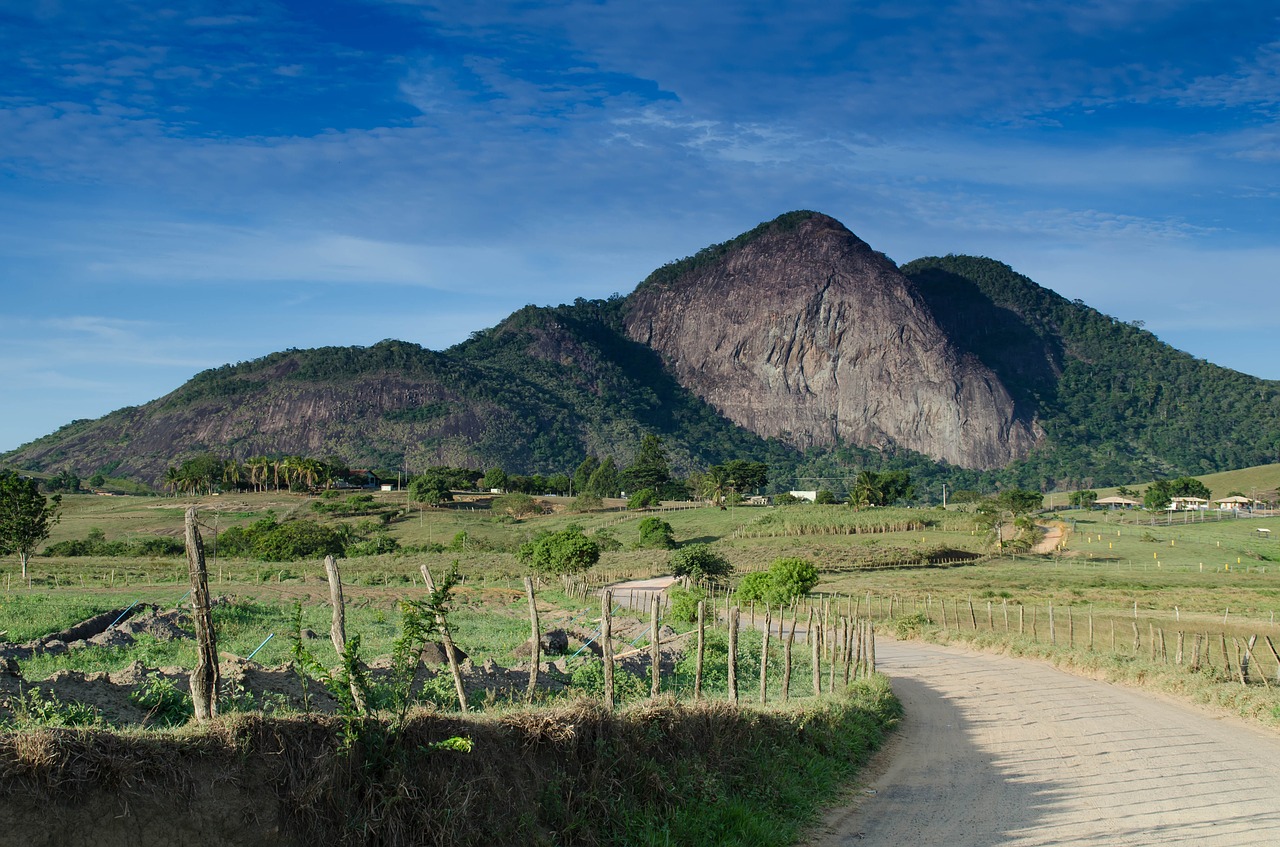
x=998, y=750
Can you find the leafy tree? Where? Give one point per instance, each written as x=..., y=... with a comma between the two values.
x=650, y=468
x=63, y=481
x=430, y=488
x=825, y=497
x=582, y=476
x=516, y=505
x=97, y=480
x=568, y=551
x=1083, y=499
x=25, y=516
x=1017, y=501
x=645, y=498
x=586, y=502
x=786, y=499
x=1158, y=495
x=895, y=487
x=605, y=480
x=656, y=533
x=698, y=562
x=716, y=484
x=495, y=478
x=746, y=476
x=684, y=602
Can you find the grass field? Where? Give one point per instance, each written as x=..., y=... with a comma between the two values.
x=1209, y=574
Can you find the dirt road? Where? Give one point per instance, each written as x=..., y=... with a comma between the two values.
x=1003, y=751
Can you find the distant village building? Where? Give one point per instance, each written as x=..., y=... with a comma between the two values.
x=1188, y=504
x=1235, y=502
x=811, y=496
x=1116, y=503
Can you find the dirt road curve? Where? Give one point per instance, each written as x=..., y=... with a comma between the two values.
x=996, y=750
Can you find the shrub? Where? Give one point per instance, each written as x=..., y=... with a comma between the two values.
x=684, y=602
x=699, y=561
x=588, y=678
x=516, y=505
x=586, y=502
x=656, y=533
x=786, y=579
x=565, y=552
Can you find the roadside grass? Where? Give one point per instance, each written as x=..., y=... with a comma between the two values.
x=661, y=772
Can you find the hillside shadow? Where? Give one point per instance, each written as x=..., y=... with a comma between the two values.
x=1027, y=363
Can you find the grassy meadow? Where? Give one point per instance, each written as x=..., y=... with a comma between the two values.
x=1201, y=572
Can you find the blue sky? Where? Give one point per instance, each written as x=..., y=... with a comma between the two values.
x=191, y=183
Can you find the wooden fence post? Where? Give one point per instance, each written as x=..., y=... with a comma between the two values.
x=204, y=679
x=655, y=652
x=816, y=657
x=786, y=656
x=764, y=659
x=537, y=639
x=733, y=654
x=338, y=627
x=702, y=647
x=606, y=644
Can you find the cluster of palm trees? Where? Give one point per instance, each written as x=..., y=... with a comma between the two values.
x=205, y=474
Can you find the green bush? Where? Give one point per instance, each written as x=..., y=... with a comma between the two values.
x=699, y=561
x=684, y=602
x=786, y=579
x=568, y=551
x=655, y=533
x=588, y=678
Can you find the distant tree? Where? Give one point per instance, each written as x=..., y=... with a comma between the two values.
x=895, y=487
x=650, y=468
x=786, y=579
x=605, y=480
x=582, y=476
x=825, y=497
x=786, y=499
x=1083, y=499
x=65, y=481
x=586, y=502
x=716, y=484
x=1158, y=495
x=1017, y=501
x=866, y=490
x=645, y=498
x=558, y=484
x=744, y=476
x=25, y=516
x=1189, y=486
x=516, y=504
x=494, y=478
x=431, y=489
x=97, y=480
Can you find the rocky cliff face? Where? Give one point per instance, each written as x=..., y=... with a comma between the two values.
x=804, y=333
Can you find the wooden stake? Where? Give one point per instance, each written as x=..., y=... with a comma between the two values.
x=733, y=655
x=204, y=679
x=606, y=644
x=764, y=659
x=536, y=634
x=702, y=650
x=655, y=653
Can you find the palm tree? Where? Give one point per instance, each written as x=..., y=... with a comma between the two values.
x=866, y=490
x=257, y=467
x=172, y=479
x=715, y=484
x=232, y=471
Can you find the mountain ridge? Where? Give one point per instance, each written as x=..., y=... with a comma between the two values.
x=965, y=341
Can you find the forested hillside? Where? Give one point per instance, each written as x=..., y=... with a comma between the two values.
x=1115, y=402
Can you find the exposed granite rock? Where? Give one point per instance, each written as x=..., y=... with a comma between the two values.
x=806, y=334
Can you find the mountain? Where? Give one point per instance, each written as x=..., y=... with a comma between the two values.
x=795, y=343
x=804, y=333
